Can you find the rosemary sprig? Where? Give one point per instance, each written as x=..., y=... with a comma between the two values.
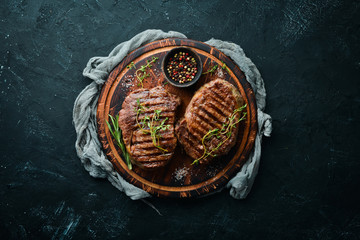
x=116, y=133
x=131, y=65
x=153, y=124
x=226, y=130
x=141, y=73
x=212, y=70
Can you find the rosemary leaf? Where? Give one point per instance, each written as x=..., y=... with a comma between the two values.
x=117, y=134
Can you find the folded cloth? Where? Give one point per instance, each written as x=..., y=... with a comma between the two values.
x=88, y=146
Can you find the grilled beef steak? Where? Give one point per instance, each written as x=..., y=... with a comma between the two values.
x=147, y=122
x=209, y=127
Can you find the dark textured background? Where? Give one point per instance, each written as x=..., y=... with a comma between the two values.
x=309, y=179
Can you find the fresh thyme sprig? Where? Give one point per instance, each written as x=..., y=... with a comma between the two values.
x=226, y=130
x=153, y=124
x=131, y=65
x=141, y=73
x=224, y=66
x=116, y=133
x=212, y=70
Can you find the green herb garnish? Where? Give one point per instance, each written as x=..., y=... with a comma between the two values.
x=116, y=133
x=226, y=130
x=151, y=125
x=141, y=73
x=131, y=65
x=224, y=66
x=212, y=70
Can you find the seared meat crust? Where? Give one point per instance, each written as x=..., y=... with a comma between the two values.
x=138, y=143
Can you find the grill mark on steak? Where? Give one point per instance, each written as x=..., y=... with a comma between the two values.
x=218, y=105
x=213, y=114
x=151, y=113
x=223, y=102
x=152, y=100
x=189, y=141
x=195, y=151
x=139, y=136
x=212, y=119
x=204, y=121
x=198, y=132
x=200, y=123
x=139, y=143
x=151, y=152
x=155, y=105
x=139, y=94
x=169, y=121
x=210, y=107
x=217, y=112
x=150, y=145
x=160, y=159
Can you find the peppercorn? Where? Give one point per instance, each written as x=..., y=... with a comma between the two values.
x=182, y=67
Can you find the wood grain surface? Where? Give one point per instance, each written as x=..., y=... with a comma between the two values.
x=179, y=178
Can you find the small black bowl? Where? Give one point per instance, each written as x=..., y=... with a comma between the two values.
x=171, y=54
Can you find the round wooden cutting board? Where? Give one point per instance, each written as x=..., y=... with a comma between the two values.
x=178, y=178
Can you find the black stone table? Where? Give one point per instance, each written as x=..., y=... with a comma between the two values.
x=308, y=184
